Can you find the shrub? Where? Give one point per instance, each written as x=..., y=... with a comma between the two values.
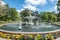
x=38, y=37
x=49, y=37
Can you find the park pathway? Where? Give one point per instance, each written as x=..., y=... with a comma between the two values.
x=4, y=39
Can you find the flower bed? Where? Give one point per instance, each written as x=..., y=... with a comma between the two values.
x=16, y=36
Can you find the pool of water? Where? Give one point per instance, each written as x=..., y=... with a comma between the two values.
x=30, y=28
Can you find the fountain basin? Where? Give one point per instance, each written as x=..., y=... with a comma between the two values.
x=30, y=28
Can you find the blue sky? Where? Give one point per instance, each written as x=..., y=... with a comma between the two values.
x=39, y=5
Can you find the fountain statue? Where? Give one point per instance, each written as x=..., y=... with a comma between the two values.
x=30, y=18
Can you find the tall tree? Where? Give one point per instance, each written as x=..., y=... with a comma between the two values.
x=3, y=12
x=58, y=9
x=44, y=16
x=13, y=14
x=7, y=12
x=25, y=13
x=48, y=16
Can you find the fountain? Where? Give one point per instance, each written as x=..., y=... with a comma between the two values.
x=43, y=27
x=37, y=23
x=30, y=18
x=29, y=28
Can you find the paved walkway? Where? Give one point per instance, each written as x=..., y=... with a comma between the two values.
x=57, y=39
x=4, y=39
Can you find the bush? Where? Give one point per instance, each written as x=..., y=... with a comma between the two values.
x=49, y=37
x=30, y=37
x=38, y=37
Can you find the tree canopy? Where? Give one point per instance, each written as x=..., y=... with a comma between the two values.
x=58, y=9
x=7, y=13
x=48, y=16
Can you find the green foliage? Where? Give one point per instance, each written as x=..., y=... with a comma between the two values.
x=58, y=9
x=25, y=13
x=49, y=37
x=30, y=37
x=4, y=12
x=13, y=14
x=48, y=16
x=45, y=16
x=54, y=18
x=38, y=37
x=7, y=14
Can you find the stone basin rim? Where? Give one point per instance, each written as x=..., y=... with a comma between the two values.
x=29, y=32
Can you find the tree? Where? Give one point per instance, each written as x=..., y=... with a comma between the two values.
x=7, y=18
x=13, y=14
x=7, y=13
x=44, y=16
x=54, y=18
x=58, y=9
x=4, y=12
x=25, y=13
x=48, y=16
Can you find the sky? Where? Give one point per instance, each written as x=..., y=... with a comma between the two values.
x=39, y=5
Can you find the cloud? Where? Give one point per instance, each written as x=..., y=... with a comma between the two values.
x=55, y=7
x=22, y=9
x=19, y=10
x=52, y=1
x=30, y=7
x=2, y=3
x=36, y=2
x=32, y=4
